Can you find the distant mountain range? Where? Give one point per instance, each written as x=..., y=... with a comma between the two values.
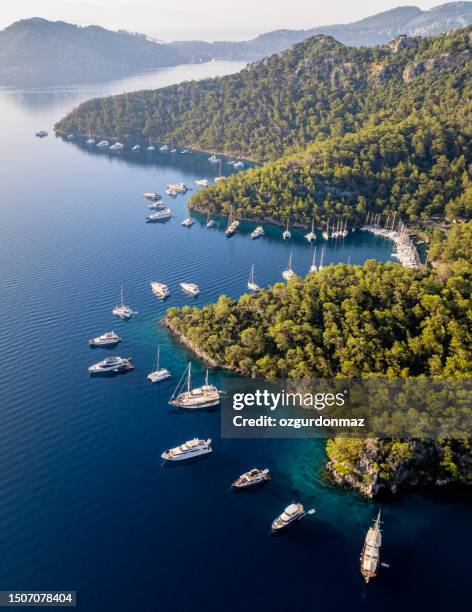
x=37, y=51
x=375, y=30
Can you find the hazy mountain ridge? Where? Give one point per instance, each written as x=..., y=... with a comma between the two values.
x=369, y=32
x=37, y=51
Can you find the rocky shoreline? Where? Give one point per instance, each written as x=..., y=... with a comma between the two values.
x=189, y=344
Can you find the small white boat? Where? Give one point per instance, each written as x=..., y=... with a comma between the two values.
x=201, y=182
x=258, y=232
x=326, y=232
x=313, y=267
x=288, y=273
x=213, y=159
x=287, y=234
x=70, y=137
x=123, y=311
x=164, y=148
x=173, y=150
x=184, y=152
x=111, y=364
x=311, y=235
x=151, y=148
x=106, y=339
x=238, y=165
x=219, y=178
x=252, y=285
x=320, y=267
x=103, y=144
x=160, y=290
x=158, y=373
x=210, y=222
x=191, y=288
x=41, y=134
x=290, y=515
x=160, y=215
x=188, y=222
x=90, y=141
x=192, y=398
x=157, y=205
x=118, y=146
x=136, y=148
x=188, y=450
x=152, y=196
x=252, y=478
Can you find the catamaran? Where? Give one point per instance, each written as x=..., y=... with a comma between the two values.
x=122, y=310
x=160, y=290
x=252, y=285
x=291, y=514
x=252, y=478
x=106, y=339
x=370, y=555
x=111, y=364
x=160, y=215
x=191, y=288
x=188, y=450
x=258, y=232
x=288, y=273
x=185, y=396
x=287, y=234
x=326, y=233
x=311, y=235
x=158, y=373
x=313, y=267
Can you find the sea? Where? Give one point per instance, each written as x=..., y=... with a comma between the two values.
x=85, y=502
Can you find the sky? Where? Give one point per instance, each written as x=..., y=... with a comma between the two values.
x=201, y=19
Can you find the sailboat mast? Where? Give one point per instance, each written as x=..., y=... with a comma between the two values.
x=158, y=359
x=189, y=376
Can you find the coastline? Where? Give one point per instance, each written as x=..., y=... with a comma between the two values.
x=190, y=345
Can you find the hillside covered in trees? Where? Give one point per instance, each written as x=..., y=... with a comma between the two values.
x=342, y=130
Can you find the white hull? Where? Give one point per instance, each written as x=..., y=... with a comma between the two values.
x=158, y=375
x=186, y=456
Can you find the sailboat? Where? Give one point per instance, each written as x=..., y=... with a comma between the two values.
x=220, y=176
x=311, y=235
x=185, y=396
x=288, y=273
x=370, y=556
x=159, y=373
x=151, y=147
x=122, y=310
x=287, y=233
x=320, y=267
x=313, y=267
x=326, y=233
x=252, y=285
x=233, y=224
x=90, y=141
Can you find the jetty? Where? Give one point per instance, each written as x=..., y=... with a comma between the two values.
x=404, y=248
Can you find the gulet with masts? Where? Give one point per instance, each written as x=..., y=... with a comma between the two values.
x=189, y=397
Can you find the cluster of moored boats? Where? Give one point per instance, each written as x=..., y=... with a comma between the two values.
x=404, y=250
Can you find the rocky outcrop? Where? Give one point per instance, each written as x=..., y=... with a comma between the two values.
x=445, y=61
x=401, y=42
x=189, y=344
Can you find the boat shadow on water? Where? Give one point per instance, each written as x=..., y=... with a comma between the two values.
x=168, y=465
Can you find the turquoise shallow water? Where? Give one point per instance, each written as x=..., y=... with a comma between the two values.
x=84, y=502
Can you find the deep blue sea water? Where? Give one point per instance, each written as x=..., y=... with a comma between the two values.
x=84, y=502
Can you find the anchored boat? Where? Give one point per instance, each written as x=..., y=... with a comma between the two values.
x=251, y=284
x=106, y=339
x=188, y=450
x=158, y=373
x=185, y=396
x=252, y=478
x=191, y=288
x=288, y=273
x=111, y=364
x=290, y=515
x=159, y=289
x=370, y=556
x=122, y=310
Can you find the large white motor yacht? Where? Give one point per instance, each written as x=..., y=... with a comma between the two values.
x=188, y=450
x=111, y=364
x=160, y=290
x=106, y=339
x=191, y=288
x=252, y=478
x=160, y=215
x=291, y=514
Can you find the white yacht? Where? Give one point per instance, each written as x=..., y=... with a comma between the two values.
x=213, y=159
x=287, y=234
x=103, y=144
x=184, y=152
x=188, y=222
x=136, y=148
x=210, y=222
x=160, y=215
x=311, y=235
x=118, y=146
x=164, y=148
x=90, y=141
x=111, y=364
x=157, y=205
x=70, y=137
x=160, y=290
x=171, y=192
x=188, y=450
x=158, y=373
x=252, y=285
x=291, y=514
x=178, y=187
x=313, y=267
x=258, y=232
x=106, y=339
x=151, y=148
x=288, y=273
x=326, y=233
x=186, y=396
x=219, y=178
x=122, y=310
x=370, y=556
x=191, y=288
x=232, y=226
x=252, y=478
x=201, y=182
x=238, y=165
